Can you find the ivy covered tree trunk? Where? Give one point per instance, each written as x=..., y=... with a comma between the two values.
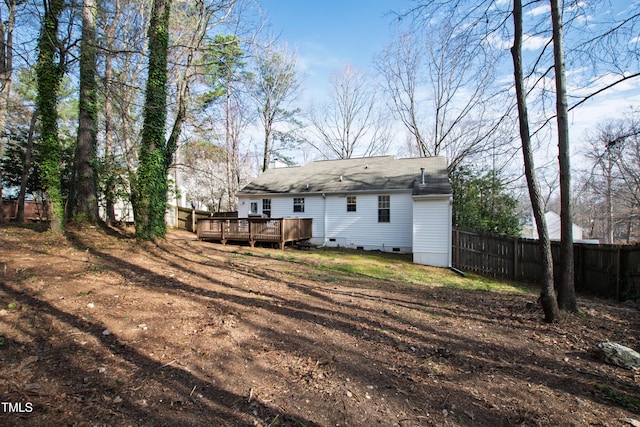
x=49, y=75
x=85, y=206
x=150, y=195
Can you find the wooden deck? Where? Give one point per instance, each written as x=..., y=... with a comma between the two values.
x=252, y=230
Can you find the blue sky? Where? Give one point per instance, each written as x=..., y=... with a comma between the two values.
x=332, y=33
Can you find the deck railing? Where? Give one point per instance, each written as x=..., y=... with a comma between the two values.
x=252, y=230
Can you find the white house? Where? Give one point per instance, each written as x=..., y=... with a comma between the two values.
x=376, y=203
x=553, y=226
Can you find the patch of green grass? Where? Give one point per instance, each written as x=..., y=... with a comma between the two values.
x=618, y=398
x=399, y=268
x=12, y=306
x=99, y=267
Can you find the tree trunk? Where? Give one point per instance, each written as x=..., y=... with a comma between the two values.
x=85, y=207
x=150, y=193
x=109, y=160
x=547, y=292
x=267, y=146
x=109, y=179
x=49, y=75
x=566, y=289
x=6, y=78
x=609, y=201
x=26, y=168
x=227, y=142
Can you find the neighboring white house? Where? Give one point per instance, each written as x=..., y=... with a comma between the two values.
x=123, y=210
x=553, y=227
x=375, y=203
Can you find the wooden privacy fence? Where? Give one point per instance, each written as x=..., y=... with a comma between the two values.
x=33, y=210
x=611, y=271
x=188, y=218
x=252, y=230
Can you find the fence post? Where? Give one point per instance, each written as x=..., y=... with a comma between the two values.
x=457, y=252
x=515, y=258
x=193, y=219
x=618, y=271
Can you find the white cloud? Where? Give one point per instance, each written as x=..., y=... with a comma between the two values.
x=534, y=42
x=540, y=10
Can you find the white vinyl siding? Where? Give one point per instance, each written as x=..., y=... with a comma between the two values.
x=421, y=226
x=432, y=232
x=362, y=229
x=282, y=207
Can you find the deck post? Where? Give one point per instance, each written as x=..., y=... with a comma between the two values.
x=282, y=236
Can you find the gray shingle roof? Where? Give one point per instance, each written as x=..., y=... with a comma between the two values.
x=355, y=175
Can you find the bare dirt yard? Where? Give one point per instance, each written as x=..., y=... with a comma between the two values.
x=97, y=329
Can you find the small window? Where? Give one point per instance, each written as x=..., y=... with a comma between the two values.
x=254, y=208
x=298, y=204
x=266, y=207
x=384, y=208
x=351, y=203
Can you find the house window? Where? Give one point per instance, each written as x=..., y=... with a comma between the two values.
x=351, y=203
x=298, y=204
x=254, y=208
x=384, y=208
x=266, y=207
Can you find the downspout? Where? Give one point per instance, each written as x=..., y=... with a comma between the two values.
x=450, y=223
x=324, y=221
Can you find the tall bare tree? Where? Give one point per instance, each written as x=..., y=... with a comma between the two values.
x=547, y=292
x=351, y=123
x=566, y=289
x=275, y=87
x=122, y=26
x=602, y=48
x=608, y=194
x=109, y=176
x=602, y=177
x=624, y=146
x=440, y=81
x=401, y=65
x=6, y=75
